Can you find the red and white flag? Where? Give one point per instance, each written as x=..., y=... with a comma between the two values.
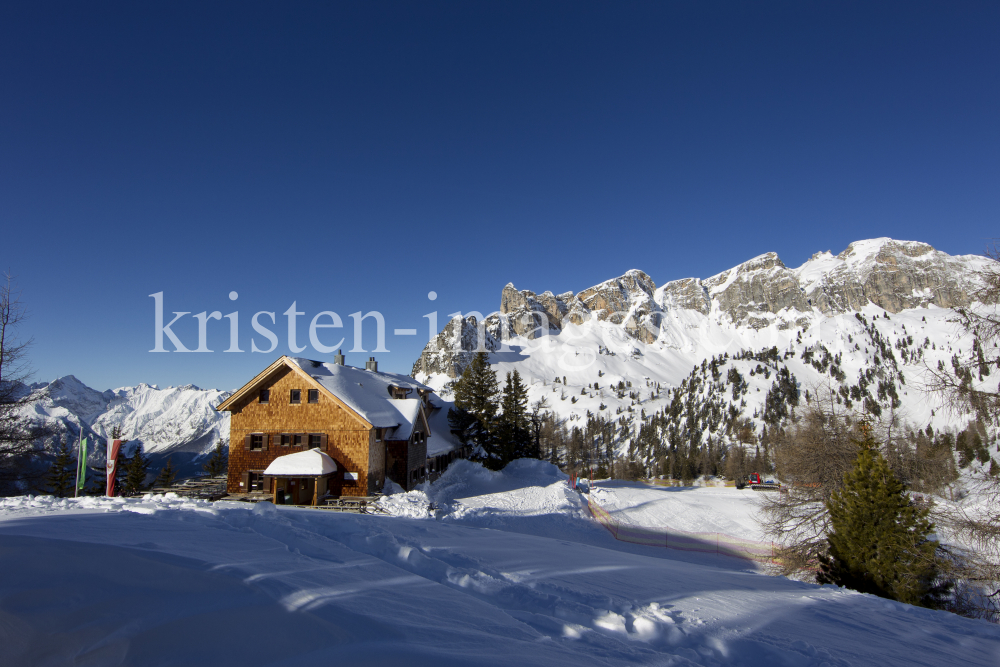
x=113, y=447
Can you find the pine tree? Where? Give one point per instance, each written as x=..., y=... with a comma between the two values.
x=97, y=482
x=879, y=540
x=474, y=416
x=512, y=433
x=62, y=473
x=121, y=467
x=166, y=476
x=218, y=463
x=536, y=421
x=136, y=469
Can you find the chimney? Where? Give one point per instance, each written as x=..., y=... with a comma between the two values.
x=338, y=358
x=371, y=365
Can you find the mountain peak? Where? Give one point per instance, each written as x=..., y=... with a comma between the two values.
x=884, y=247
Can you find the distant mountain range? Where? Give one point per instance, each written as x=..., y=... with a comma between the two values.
x=176, y=422
x=864, y=322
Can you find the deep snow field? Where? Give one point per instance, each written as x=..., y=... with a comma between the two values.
x=503, y=569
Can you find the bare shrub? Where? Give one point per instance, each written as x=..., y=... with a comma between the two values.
x=18, y=438
x=811, y=457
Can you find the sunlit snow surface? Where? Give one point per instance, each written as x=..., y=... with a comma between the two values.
x=505, y=569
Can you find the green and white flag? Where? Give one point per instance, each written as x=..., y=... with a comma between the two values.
x=81, y=465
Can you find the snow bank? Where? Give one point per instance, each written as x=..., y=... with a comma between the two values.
x=518, y=487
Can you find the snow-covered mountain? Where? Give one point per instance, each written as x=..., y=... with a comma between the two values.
x=864, y=323
x=176, y=421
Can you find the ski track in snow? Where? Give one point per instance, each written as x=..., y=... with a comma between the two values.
x=165, y=580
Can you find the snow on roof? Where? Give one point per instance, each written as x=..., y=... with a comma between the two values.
x=409, y=409
x=366, y=392
x=312, y=463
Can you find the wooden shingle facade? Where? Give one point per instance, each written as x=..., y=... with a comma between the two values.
x=371, y=424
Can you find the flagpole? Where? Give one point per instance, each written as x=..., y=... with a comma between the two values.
x=79, y=448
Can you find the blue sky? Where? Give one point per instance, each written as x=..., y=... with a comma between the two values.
x=356, y=156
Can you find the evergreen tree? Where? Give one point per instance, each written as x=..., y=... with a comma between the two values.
x=97, y=482
x=536, y=423
x=136, y=468
x=512, y=431
x=166, y=476
x=879, y=541
x=62, y=473
x=120, y=473
x=218, y=463
x=474, y=416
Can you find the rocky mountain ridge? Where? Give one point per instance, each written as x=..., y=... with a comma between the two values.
x=759, y=293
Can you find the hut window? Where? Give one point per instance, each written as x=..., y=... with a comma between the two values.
x=257, y=441
x=351, y=476
x=265, y=395
x=295, y=397
x=313, y=395
x=297, y=439
x=378, y=435
x=315, y=440
x=286, y=439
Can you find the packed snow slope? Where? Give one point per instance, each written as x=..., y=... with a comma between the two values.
x=167, y=581
x=866, y=323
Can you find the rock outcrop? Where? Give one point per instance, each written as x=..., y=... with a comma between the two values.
x=687, y=294
x=453, y=349
x=761, y=286
x=533, y=315
x=893, y=275
x=627, y=300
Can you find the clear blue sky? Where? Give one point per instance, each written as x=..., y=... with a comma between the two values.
x=356, y=156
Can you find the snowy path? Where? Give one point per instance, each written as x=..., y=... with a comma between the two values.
x=166, y=582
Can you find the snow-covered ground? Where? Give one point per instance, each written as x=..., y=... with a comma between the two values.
x=506, y=568
x=684, y=509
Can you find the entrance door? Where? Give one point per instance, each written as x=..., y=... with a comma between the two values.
x=305, y=491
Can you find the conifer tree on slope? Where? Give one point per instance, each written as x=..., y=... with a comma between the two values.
x=474, y=416
x=135, y=473
x=513, y=434
x=218, y=462
x=879, y=540
x=62, y=473
x=166, y=476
